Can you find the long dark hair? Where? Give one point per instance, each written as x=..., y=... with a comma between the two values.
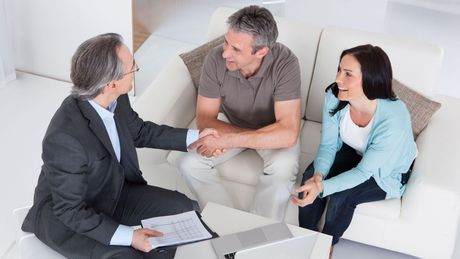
x=377, y=74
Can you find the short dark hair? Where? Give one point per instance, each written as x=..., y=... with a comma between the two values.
x=377, y=74
x=257, y=21
x=94, y=64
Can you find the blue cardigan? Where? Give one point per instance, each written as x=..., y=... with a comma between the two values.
x=388, y=154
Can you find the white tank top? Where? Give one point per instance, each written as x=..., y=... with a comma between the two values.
x=354, y=135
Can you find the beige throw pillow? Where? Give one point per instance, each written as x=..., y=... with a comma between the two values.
x=194, y=59
x=420, y=108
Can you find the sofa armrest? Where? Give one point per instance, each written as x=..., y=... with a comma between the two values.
x=433, y=191
x=170, y=99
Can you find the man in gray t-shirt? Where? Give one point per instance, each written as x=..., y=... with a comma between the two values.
x=250, y=92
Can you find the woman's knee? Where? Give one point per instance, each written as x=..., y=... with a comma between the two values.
x=308, y=173
x=339, y=203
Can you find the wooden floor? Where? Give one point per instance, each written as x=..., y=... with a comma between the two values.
x=140, y=34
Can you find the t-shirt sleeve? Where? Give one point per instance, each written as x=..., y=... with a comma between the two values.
x=288, y=80
x=209, y=83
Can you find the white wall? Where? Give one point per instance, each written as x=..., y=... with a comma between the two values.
x=433, y=26
x=446, y=6
x=165, y=18
x=47, y=32
x=357, y=14
x=7, y=72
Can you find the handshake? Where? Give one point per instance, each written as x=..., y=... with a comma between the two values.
x=211, y=143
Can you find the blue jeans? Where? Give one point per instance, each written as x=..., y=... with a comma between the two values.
x=341, y=204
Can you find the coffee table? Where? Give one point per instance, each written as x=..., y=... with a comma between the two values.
x=225, y=220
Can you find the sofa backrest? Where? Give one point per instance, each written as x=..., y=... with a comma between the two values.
x=416, y=64
x=301, y=38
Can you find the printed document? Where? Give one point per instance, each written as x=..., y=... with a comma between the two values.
x=177, y=229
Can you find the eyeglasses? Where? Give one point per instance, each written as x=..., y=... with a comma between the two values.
x=133, y=71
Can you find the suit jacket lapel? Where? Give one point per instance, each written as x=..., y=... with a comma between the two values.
x=96, y=125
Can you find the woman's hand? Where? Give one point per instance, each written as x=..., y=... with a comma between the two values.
x=311, y=189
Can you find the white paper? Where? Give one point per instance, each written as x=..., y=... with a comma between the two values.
x=177, y=229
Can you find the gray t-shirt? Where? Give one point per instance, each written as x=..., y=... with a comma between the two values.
x=249, y=103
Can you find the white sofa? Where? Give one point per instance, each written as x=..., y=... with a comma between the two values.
x=423, y=223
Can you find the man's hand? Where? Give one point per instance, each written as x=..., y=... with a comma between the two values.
x=311, y=189
x=209, y=131
x=209, y=144
x=141, y=239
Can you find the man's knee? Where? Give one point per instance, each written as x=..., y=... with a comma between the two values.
x=101, y=251
x=281, y=162
x=188, y=162
x=284, y=170
x=126, y=253
x=181, y=203
x=184, y=162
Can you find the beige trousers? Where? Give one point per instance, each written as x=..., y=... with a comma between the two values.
x=272, y=190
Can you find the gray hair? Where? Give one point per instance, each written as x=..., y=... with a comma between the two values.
x=94, y=64
x=257, y=21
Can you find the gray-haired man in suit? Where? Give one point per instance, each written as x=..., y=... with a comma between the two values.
x=90, y=188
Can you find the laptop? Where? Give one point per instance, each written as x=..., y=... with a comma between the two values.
x=271, y=241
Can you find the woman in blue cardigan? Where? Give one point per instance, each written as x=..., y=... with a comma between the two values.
x=367, y=146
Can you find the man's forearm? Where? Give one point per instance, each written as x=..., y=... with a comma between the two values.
x=221, y=126
x=281, y=134
x=270, y=137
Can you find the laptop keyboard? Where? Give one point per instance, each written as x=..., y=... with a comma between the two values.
x=230, y=255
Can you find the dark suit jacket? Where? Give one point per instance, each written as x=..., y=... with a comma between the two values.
x=81, y=179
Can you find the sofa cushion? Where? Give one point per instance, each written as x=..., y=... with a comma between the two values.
x=384, y=209
x=194, y=59
x=310, y=137
x=420, y=108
